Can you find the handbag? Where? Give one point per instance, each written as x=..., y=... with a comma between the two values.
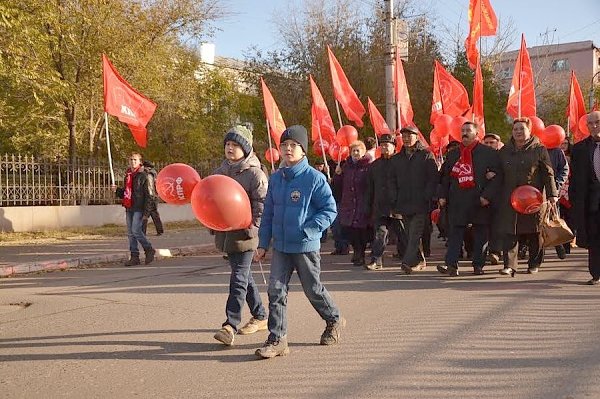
x=554, y=230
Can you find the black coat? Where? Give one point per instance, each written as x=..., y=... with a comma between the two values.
x=380, y=195
x=141, y=199
x=464, y=205
x=584, y=191
x=414, y=181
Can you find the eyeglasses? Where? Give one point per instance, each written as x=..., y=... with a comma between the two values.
x=292, y=146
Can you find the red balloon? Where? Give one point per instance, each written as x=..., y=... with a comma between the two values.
x=346, y=135
x=456, y=126
x=337, y=152
x=583, y=127
x=435, y=215
x=537, y=126
x=272, y=155
x=526, y=199
x=175, y=183
x=318, y=150
x=221, y=203
x=438, y=141
x=443, y=125
x=553, y=136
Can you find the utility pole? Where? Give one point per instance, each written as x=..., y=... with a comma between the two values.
x=390, y=33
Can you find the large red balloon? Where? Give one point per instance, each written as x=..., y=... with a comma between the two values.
x=583, y=127
x=346, y=135
x=221, y=203
x=272, y=155
x=526, y=199
x=553, y=136
x=435, y=215
x=438, y=141
x=443, y=125
x=175, y=183
x=456, y=126
x=337, y=152
x=318, y=150
x=537, y=126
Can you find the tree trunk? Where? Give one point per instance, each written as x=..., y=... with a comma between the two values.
x=70, y=115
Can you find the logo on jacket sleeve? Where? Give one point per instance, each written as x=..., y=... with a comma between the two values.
x=295, y=196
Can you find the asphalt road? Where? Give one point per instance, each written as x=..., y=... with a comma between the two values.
x=147, y=332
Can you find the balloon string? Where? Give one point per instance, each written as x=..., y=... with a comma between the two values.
x=262, y=272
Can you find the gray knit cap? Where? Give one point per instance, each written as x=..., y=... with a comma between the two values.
x=241, y=135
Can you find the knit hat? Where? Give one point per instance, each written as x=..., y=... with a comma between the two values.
x=241, y=135
x=297, y=133
x=492, y=135
x=387, y=138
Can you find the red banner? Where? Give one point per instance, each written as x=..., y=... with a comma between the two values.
x=379, y=125
x=449, y=95
x=521, y=98
x=477, y=108
x=126, y=103
x=401, y=92
x=276, y=123
x=344, y=93
x=482, y=22
x=321, y=119
x=575, y=109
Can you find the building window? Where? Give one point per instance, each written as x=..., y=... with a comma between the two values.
x=506, y=73
x=560, y=65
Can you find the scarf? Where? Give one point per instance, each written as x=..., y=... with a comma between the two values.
x=463, y=168
x=127, y=197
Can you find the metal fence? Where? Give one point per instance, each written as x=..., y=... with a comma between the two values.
x=26, y=180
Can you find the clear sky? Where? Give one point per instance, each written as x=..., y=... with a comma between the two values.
x=542, y=21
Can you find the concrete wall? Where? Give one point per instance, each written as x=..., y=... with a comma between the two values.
x=40, y=218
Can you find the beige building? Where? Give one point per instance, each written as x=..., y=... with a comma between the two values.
x=552, y=65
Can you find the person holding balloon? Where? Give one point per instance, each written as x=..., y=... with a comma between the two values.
x=242, y=165
x=525, y=162
x=299, y=206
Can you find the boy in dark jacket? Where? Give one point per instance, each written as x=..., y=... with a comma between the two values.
x=151, y=173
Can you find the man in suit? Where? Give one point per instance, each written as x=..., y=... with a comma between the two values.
x=584, y=194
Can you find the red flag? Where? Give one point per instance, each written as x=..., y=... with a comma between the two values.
x=379, y=125
x=482, y=22
x=321, y=119
x=575, y=108
x=449, y=95
x=405, y=109
x=276, y=123
x=521, y=98
x=477, y=108
x=344, y=93
x=126, y=103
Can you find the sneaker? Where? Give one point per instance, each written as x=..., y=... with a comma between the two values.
x=331, y=335
x=507, y=271
x=533, y=270
x=593, y=281
x=225, y=335
x=419, y=267
x=406, y=269
x=452, y=271
x=442, y=269
x=273, y=348
x=149, y=256
x=493, y=259
x=253, y=326
x=374, y=265
x=133, y=261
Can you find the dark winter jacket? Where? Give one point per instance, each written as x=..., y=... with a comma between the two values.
x=414, y=181
x=528, y=166
x=141, y=200
x=353, y=210
x=151, y=173
x=559, y=163
x=464, y=205
x=249, y=174
x=584, y=191
x=380, y=195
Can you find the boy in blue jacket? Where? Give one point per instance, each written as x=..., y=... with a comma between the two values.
x=298, y=208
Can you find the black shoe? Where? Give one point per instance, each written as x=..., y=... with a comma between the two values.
x=533, y=269
x=149, y=256
x=561, y=252
x=478, y=271
x=522, y=254
x=406, y=269
x=452, y=271
x=359, y=261
x=133, y=261
x=160, y=233
x=593, y=281
x=442, y=269
x=507, y=271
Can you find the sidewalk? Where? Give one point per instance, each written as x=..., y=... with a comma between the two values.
x=19, y=259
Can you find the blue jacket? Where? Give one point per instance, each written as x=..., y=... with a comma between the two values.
x=298, y=208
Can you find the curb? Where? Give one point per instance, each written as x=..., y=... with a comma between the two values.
x=74, y=263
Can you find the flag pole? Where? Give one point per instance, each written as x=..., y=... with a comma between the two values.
x=270, y=145
x=110, y=165
x=337, y=106
x=323, y=153
x=520, y=73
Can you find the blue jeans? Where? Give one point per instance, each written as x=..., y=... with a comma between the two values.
x=455, y=242
x=242, y=288
x=308, y=267
x=135, y=233
x=382, y=226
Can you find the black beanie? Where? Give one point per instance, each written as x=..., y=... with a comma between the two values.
x=241, y=135
x=297, y=133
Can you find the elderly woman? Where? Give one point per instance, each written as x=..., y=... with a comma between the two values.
x=525, y=161
x=354, y=217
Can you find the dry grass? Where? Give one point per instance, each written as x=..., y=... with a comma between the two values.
x=81, y=233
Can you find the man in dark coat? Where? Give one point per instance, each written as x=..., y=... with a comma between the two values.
x=584, y=194
x=525, y=161
x=468, y=194
x=415, y=178
x=494, y=247
x=151, y=173
x=379, y=200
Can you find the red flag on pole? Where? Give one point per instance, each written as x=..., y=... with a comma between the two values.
x=449, y=95
x=482, y=22
x=575, y=108
x=276, y=123
x=379, y=125
x=344, y=93
x=126, y=103
x=321, y=119
x=477, y=108
x=404, y=106
x=521, y=98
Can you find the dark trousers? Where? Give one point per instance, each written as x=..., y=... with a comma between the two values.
x=383, y=226
x=339, y=238
x=413, y=225
x=594, y=244
x=455, y=242
x=358, y=237
x=156, y=220
x=511, y=249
